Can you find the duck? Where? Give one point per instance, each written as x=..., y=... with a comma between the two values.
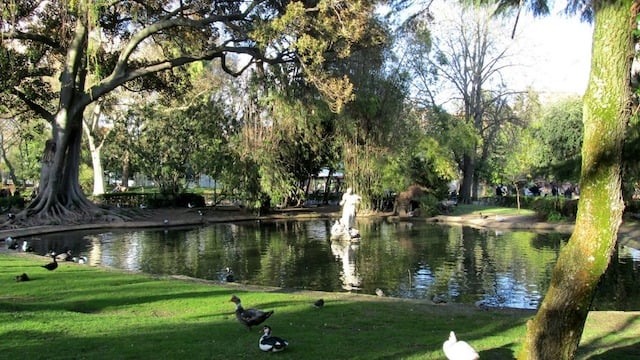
x=26, y=247
x=439, y=299
x=379, y=292
x=22, y=277
x=228, y=275
x=52, y=265
x=318, y=303
x=11, y=243
x=65, y=256
x=249, y=317
x=80, y=259
x=271, y=343
x=458, y=350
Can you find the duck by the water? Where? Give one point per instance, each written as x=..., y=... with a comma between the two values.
x=52, y=265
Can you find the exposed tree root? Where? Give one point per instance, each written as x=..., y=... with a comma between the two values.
x=61, y=215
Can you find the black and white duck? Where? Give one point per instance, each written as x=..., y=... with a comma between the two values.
x=22, y=277
x=458, y=350
x=271, y=343
x=65, y=256
x=227, y=275
x=12, y=244
x=80, y=259
x=249, y=317
x=26, y=247
x=318, y=303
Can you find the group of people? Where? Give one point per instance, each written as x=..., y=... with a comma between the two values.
x=538, y=190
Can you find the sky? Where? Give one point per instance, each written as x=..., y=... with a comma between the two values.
x=555, y=52
x=551, y=54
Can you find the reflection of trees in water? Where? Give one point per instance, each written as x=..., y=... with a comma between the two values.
x=404, y=259
x=618, y=288
x=454, y=263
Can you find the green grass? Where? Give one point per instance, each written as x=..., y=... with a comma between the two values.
x=83, y=312
x=462, y=209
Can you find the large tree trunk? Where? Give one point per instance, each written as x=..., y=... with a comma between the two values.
x=555, y=331
x=468, y=169
x=60, y=199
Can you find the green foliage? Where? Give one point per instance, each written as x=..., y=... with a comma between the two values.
x=560, y=132
x=23, y=141
x=432, y=166
x=9, y=202
x=555, y=208
x=176, y=146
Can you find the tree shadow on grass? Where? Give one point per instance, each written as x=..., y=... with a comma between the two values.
x=625, y=352
x=498, y=354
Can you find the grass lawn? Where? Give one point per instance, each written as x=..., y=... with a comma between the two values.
x=83, y=312
x=463, y=209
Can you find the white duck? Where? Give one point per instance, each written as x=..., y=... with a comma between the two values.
x=271, y=343
x=458, y=350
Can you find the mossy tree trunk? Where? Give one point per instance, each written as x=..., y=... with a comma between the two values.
x=556, y=330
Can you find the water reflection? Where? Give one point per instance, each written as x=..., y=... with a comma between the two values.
x=404, y=259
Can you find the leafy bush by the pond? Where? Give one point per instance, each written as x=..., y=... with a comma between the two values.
x=9, y=202
x=555, y=208
x=152, y=200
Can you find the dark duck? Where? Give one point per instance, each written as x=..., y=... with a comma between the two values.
x=249, y=317
x=52, y=265
x=271, y=343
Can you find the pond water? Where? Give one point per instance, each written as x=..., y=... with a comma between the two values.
x=404, y=259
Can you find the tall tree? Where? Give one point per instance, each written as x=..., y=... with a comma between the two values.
x=561, y=134
x=555, y=331
x=98, y=47
x=465, y=62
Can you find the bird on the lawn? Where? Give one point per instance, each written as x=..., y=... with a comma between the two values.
x=319, y=303
x=65, y=256
x=80, y=259
x=22, y=277
x=52, y=265
x=249, y=317
x=271, y=343
x=458, y=350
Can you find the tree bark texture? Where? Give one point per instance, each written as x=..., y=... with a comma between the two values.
x=60, y=198
x=555, y=331
x=468, y=168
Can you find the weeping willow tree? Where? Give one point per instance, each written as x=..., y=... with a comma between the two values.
x=78, y=51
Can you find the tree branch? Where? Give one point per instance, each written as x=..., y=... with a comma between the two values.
x=39, y=38
x=44, y=113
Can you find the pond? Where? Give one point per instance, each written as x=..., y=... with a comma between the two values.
x=417, y=260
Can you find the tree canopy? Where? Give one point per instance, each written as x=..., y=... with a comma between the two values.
x=100, y=46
